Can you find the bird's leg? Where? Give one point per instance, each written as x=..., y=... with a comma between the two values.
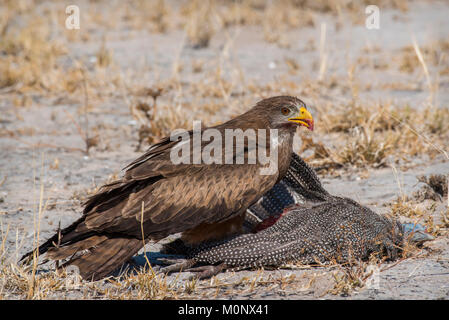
x=206, y=271
x=176, y=265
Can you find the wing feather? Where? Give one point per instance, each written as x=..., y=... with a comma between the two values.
x=176, y=197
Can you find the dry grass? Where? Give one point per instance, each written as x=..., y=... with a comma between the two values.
x=33, y=52
x=19, y=282
x=423, y=214
x=36, y=63
x=200, y=23
x=29, y=59
x=373, y=133
x=349, y=278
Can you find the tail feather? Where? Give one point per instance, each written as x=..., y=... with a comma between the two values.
x=54, y=240
x=60, y=253
x=105, y=257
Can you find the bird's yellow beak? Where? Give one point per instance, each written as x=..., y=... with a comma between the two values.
x=304, y=118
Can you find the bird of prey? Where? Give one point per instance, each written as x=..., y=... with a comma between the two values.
x=317, y=229
x=157, y=197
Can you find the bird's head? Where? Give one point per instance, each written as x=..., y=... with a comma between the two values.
x=416, y=233
x=286, y=111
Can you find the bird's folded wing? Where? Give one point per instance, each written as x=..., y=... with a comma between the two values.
x=175, y=198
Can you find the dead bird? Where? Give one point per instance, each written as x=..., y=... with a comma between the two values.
x=321, y=228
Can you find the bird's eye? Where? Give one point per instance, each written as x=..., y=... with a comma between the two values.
x=285, y=111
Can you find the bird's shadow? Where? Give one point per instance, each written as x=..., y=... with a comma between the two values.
x=140, y=262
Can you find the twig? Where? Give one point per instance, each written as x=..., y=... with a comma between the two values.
x=427, y=140
x=423, y=63
x=323, y=53
x=78, y=127
x=143, y=239
x=83, y=133
x=2, y=249
x=3, y=181
x=86, y=106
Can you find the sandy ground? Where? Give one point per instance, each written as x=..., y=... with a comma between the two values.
x=68, y=175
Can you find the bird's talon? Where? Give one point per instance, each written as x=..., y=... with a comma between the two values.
x=178, y=267
x=206, y=271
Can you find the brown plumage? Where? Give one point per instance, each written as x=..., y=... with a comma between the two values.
x=204, y=201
